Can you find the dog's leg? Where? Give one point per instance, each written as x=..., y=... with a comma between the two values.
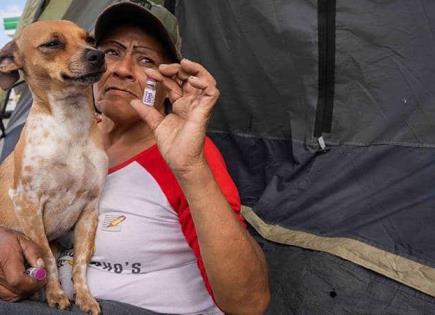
x=84, y=240
x=29, y=214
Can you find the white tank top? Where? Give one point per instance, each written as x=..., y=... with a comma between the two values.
x=141, y=255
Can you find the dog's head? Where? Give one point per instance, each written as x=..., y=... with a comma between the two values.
x=52, y=54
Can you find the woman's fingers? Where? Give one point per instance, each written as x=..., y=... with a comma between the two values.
x=197, y=82
x=185, y=69
x=184, y=78
x=148, y=113
x=200, y=78
x=174, y=70
x=196, y=69
x=174, y=89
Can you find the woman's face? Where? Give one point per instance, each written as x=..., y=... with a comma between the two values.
x=129, y=51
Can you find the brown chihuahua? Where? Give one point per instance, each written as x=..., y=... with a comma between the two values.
x=53, y=179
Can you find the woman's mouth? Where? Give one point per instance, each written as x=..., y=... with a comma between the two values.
x=114, y=89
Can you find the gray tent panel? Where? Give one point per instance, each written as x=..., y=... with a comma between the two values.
x=385, y=73
x=266, y=54
x=373, y=184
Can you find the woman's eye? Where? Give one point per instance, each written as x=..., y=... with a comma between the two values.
x=111, y=52
x=146, y=61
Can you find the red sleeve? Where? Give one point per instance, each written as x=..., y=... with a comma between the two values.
x=226, y=184
x=219, y=169
x=161, y=172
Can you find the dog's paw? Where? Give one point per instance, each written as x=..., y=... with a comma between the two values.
x=57, y=298
x=87, y=303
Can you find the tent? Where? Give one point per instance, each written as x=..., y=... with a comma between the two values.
x=327, y=122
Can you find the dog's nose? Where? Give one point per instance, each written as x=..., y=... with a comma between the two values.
x=95, y=57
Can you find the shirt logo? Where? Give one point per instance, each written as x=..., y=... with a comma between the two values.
x=112, y=223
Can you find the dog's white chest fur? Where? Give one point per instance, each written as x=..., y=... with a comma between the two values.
x=62, y=170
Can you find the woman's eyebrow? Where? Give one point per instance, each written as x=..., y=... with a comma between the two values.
x=112, y=41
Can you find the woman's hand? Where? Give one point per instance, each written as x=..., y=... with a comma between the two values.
x=180, y=134
x=15, y=250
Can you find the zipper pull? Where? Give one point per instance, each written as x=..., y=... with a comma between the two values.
x=322, y=143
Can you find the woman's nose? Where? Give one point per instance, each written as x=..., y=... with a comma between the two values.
x=123, y=68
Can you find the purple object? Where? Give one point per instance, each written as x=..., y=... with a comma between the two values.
x=37, y=273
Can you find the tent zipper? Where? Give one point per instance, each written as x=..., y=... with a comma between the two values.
x=326, y=41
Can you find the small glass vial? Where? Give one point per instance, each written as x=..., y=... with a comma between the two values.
x=149, y=95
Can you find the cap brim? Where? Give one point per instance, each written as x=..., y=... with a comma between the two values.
x=133, y=14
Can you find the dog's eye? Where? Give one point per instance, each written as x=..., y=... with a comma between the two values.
x=90, y=40
x=52, y=44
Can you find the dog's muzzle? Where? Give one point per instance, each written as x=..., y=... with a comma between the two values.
x=95, y=58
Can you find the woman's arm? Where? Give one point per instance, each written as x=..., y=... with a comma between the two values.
x=234, y=262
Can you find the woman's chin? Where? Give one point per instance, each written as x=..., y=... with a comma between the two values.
x=126, y=117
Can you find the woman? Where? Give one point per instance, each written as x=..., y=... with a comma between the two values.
x=170, y=237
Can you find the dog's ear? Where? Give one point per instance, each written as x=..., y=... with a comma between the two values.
x=9, y=66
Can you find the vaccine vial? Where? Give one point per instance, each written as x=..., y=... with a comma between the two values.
x=149, y=95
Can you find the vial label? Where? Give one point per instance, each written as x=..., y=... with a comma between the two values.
x=149, y=94
x=148, y=97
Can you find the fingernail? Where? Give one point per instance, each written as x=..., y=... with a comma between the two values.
x=163, y=65
x=193, y=77
x=40, y=262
